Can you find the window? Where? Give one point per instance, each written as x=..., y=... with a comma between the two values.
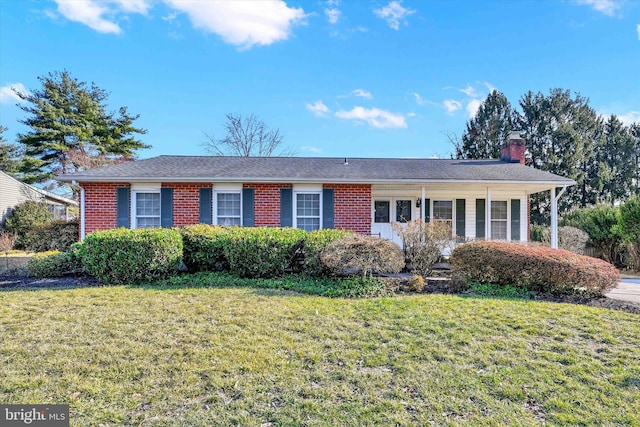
x=147, y=210
x=308, y=211
x=228, y=209
x=443, y=212
x=403, y=210
x=499, y=220
x=381, y=208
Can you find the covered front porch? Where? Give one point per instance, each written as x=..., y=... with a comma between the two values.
x=473, y=211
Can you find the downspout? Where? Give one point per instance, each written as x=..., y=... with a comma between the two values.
x=82, y=223
x=554, y=215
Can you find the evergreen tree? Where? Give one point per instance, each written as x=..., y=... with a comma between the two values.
x=9, y=154
x=616, y=158
x=488, y=130
x=69, y=120
x=562, y=133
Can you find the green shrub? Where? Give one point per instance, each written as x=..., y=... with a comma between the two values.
x=364, y=254
x=424, y=243
x=26, y=216
x=52, y=236
x=540, y=233
x=537, y=269
x=124, y=256
x=314, y=243
x=52, y=264
x=261, y=251
x=204, y=247
x=601, y=224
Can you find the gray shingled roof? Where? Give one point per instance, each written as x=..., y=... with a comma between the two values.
x=316, y=169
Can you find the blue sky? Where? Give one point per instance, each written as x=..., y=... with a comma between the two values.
x=338, y=78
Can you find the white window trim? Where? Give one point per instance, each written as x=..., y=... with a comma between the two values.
x=225, y=190
x=453, y=213
x=508, y=239
x=143, y=187
x=295, y=206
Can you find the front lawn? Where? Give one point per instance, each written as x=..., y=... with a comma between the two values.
x=198, y=356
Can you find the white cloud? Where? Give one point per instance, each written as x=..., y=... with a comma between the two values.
x=411, y=114
x=393, y=13
x=242, y=23
x=7, y=93
x=608, y=7
x=311, y=149
x=375, y=117
x=451, y=105
x=333, y=15
x=89, y=13
x=133, y=6
x=99, y=14
x=362, y=93
x=638, y=29
x=472, y=107
x=419, y=99
x=630, y=117
x=318, y=108
x=469, y=91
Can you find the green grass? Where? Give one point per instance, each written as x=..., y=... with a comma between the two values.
x=197, y=356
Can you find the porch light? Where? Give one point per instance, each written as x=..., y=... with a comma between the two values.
x=418, y=203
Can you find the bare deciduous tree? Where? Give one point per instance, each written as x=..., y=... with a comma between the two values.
x=247, y=136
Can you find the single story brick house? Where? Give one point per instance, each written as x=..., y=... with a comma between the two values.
x=481, y=199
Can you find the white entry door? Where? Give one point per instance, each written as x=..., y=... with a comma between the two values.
x=387, y=210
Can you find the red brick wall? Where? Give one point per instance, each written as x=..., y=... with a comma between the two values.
x=352, y=209
x=186, y=201
x=100, y=199
x=352, y=204
x=267, y=203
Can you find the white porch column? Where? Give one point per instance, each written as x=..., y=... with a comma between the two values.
x=554, y=219
x=554, y=216
x=487, y=230
x=423, y=208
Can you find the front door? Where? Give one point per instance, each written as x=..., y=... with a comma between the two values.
x=387, y=210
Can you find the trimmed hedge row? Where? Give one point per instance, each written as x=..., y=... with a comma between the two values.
x=256, y=252
x=538, y=269
x=124, y=256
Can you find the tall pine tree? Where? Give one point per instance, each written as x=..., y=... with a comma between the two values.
x=617, y=167
x=486, y=132
x=69, y=121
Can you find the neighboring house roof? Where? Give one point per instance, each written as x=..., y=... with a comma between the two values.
x=14, y=192
x=316, y=169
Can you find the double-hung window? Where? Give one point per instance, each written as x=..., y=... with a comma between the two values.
x=499, y=211
x=443, y=212
x=146, y=209
x=308, y=211
x=228, y=211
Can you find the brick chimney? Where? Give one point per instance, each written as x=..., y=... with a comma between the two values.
x=512, y=151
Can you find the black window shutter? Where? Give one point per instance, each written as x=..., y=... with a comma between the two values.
x=460, y=218
x=205, y=206
x=286, y=207
x=248, y=207
x=166, y=207
x=480, y=218
x=124, y=207
x=427, y=210
x=327, y=208
x=515, y=219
